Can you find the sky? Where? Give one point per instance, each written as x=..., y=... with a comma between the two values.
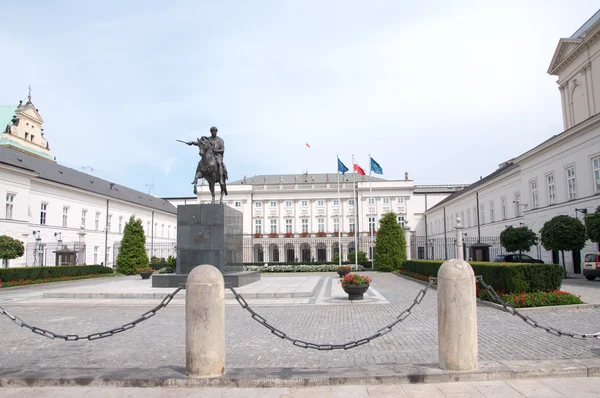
x=443, y=90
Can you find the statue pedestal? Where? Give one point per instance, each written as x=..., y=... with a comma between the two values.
x=208, y=234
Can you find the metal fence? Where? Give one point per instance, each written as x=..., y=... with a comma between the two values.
x=156, y=249
x=424, y=248
x=311, y=248
x=56, y=253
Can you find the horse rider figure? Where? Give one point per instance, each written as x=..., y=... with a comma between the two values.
x=218, y=146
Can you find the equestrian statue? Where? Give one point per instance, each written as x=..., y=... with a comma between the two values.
x=211, y=166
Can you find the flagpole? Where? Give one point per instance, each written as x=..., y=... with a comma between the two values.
x=339, y=218
x=355, y=215
x=372, y=254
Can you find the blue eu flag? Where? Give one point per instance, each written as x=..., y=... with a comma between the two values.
x=341, y=167
x=375, y=167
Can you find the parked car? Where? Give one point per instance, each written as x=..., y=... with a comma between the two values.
x=516, y=258
x=591, y=266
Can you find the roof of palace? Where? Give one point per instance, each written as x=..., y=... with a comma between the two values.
x=307, y=178
x=503, y=169
x=579, y=33
x=51, y=171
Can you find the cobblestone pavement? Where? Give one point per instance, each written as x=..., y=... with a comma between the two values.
x=160, y=341
x=547, y=388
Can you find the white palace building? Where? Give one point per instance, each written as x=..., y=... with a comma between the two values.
x=559, y=176
x=65, y=216
x=68, y=216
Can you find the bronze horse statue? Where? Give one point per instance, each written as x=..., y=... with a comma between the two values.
x=209, y=169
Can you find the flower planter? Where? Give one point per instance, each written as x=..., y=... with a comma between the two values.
x=355, y=292
x=145, y=275
x=343, y=273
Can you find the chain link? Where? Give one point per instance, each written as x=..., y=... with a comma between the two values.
x=328, y=347
x=94, y=336
x=513, y=311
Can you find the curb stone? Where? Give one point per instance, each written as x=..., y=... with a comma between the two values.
x=173, y=376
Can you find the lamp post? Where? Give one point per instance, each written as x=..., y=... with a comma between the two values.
x=582, y=211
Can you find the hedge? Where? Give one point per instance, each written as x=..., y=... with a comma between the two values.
x=510, y=277
x=33, y=273
x=296, y=268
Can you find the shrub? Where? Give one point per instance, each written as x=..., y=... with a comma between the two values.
x=509, y=277
x=533, y=299
x=10, y=248
x=563, y=233
x=33, y=273
x=166, y=270
x=390, y=245
x=362, y=257
x=132, y=254
x=518, y=239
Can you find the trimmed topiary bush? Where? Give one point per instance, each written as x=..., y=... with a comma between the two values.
x=132, y=254
x=390, y=245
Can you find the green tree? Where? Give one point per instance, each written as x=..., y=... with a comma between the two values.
x=390, y=245
x=132, y=254
x=518, y=239
x=592, y=225
x=362, y=257
x=563, y=233
x=10, y=248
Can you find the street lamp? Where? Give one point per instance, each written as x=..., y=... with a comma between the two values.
x=582, y=211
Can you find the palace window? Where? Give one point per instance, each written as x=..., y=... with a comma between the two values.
x=43, y=210
x=288, y=203
x=238, y=204
x=468, y=220
x=97, y=221
x=371, y=224
x=155, y=228
x=503, y=207
x=386, y=201
x=320, y=202
x=517, y=203
x=288, y=226
x=95, y=254
x=336, y=202
x=351, y=225
x=401, y=221
x=257, y=204
x=571, y=188
x=321, y=225
x=400, y=200
x=371, y=201
x=10, y=203
x=273, y=204
x=492, y=211
x=83, y=218
x=169, y=232
x=596, y=173
x=533, y=188
x=305, y=225
x=258, y=226
x=65, y=215
x=482, y=213
x=148, y=228
x=120, y=224
x=304, y=203
x=336, y=225
x=273, y=226
x=162, y=231
x=108, y=222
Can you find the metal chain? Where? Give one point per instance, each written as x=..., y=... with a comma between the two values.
x=327, y=347
x=513, y=311
x=94, y=336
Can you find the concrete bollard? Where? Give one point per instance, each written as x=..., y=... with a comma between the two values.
x=205, y=322
x=457, y=316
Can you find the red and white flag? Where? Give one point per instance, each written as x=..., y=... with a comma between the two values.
x=359, y=169
x=307, y=145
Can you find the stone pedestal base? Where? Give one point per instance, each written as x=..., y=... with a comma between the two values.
x=236, y=279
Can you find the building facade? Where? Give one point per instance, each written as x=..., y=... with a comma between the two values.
x=64, y=216
x=301, y=218
x=559, y=176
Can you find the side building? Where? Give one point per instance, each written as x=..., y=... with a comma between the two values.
x=62, y=215
x=300, y=218
x=559, y=176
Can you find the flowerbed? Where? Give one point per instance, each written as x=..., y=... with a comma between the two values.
x=355, y=279
x=296, y=268
x=23, y=282
x=517, y=300
x=414, y=275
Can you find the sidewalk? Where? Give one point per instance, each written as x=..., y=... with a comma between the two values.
x=547, y=388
